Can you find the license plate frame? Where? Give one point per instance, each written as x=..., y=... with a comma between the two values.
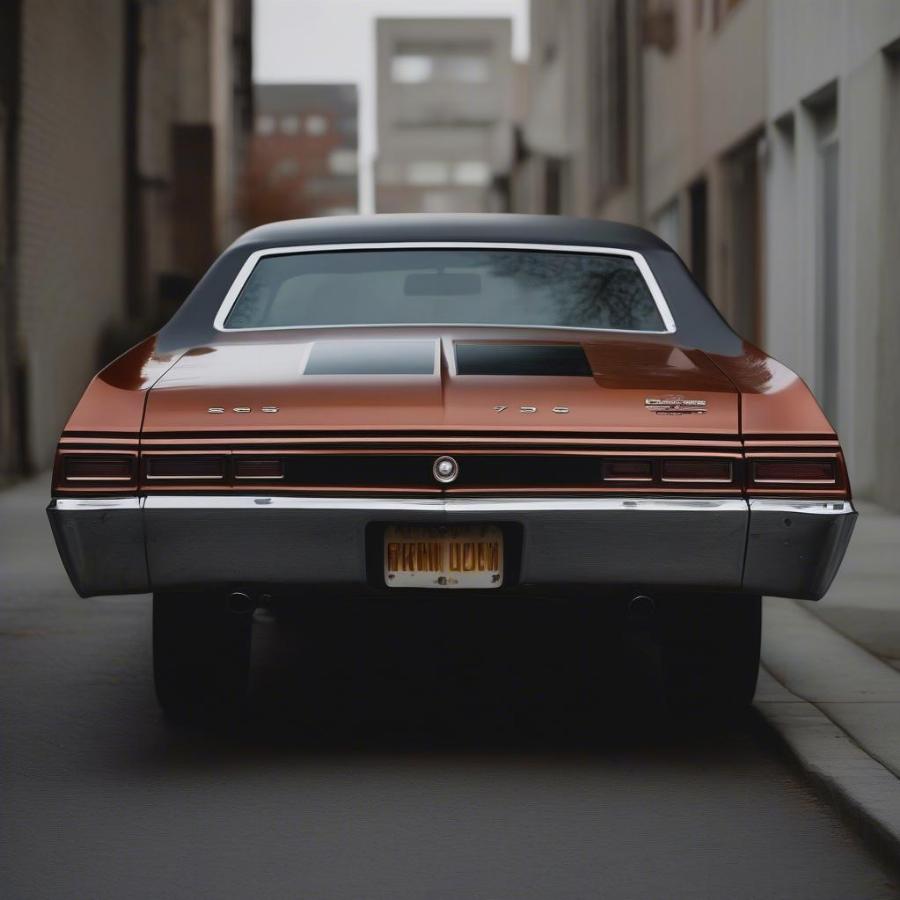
x=443, y=557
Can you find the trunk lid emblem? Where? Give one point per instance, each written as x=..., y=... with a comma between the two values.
x=675, y=406
x=445, y=469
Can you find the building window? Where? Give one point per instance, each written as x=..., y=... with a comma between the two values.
x=721, y=10
x=743, y=259
x=389, y=172
x=698, y=198
x=659, y=28
x=410, y=68
x=828, y=256
x=454, y=65
x=472, y=173
x=438, y=202
x=316, y=125
x=887, y=439
x=618, y=77
x=427, y=172
x=553, y=187
x=611, y=108
x=464, y=69
x=289, y=124
x=666, y=225
x=287, y=167
x=265, y=124
x=699, y=9
x=342, y=162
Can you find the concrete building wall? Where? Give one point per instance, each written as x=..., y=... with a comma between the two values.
x=12, y=440
x=833, y=85
x=704, y=93
x=69, y=206
x=583, y=87
x=162, y=99
x=445, y=102
x=887, y=374
x=796, y=98
x=229, y=108
x=770, y=135
x=188, y=76
x=103, y=91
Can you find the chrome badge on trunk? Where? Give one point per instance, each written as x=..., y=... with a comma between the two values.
x=675, y=406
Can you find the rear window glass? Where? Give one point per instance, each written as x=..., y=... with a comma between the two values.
x=446, y=287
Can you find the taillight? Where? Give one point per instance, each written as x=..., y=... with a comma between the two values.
x=677, y=473
x=627, y=470
x=716, y=470
x=180, y=467
x=258, y=469
x=794, y=471
x=98, y=468
x=80, y=471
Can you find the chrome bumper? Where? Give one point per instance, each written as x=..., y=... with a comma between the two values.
x=781, y=547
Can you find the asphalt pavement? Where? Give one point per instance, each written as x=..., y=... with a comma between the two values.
x=383, y=753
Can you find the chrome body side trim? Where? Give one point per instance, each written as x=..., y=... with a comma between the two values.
x=785, y=547
x=449, y=504
x=247, y=268
x=96, y=503
x=807, y=507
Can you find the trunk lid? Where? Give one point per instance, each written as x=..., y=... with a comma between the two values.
x=420, y=382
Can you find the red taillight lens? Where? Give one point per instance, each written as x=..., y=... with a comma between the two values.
x=788, y=471
x=627, y=470
x=197, y=468
x=718, y=470
x=252, y=469
x=98, y=468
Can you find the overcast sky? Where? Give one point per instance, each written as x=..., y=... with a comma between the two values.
x=334, y=41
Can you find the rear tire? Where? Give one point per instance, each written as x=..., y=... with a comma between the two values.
x=710, y=652
x=201, y=654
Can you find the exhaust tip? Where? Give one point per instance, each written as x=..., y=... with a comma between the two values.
x=239, y=602
x=641, y=608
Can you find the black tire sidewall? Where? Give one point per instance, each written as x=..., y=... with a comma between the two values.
x=710, y=650
x=201, y=653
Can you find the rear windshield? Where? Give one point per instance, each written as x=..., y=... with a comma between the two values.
x=446, y=287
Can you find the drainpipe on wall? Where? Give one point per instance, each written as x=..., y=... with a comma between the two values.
x=14, y=451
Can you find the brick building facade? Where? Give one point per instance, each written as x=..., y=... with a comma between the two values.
x=303, y=157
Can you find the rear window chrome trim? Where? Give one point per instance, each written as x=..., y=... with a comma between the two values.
x=250, y=264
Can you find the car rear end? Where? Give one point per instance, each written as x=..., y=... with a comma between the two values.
x=273, y=513
x=392, y=419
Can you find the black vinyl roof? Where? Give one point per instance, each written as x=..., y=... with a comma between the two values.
x=698, y=323
x=500, y=227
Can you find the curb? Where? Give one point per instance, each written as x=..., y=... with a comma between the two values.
x=865, y=792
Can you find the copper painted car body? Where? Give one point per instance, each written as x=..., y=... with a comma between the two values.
x=524, y=406
x=679, y=459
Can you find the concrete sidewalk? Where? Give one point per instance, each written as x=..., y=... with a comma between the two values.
x=864, y=601
x=830, y=684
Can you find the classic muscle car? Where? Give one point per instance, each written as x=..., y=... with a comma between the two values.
x=494, y=405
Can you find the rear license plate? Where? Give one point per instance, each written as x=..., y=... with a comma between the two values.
x=459, y=556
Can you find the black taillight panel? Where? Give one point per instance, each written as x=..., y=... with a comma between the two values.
x=185, y=467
